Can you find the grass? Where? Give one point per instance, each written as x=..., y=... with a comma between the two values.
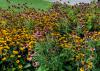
x=37, y=4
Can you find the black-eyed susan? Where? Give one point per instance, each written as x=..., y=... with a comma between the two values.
x=1, y=48
x=6, y=47
x=17, y=61
x=12, y=55
x=21, y=48
x=3, y=59
x=15, y=52
x=20, y=66
x=29, y=58
x=82, y=69
x=90, y=65
x=19, y=56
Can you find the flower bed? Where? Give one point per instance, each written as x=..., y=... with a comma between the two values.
x=64, y=38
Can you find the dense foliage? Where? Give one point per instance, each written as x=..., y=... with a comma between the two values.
x=64, y=38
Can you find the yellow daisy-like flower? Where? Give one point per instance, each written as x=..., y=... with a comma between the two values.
x=3, y=59
x=62, y=45
x=21, y=48
x=19, y=56
x=15, y=52
x=9, y=39
x=90, y=65
x=17, y=61
x=77, y=57
x=67, y=46
x=6, y=47
x=65, y=41
x=12, y=56
x=20, y=66
x=29, y=58
x=4, y=32
x=30, y=43
x=82, y=69
x=2, y=41
x=77, y=40
x=61, y=38
x=3, y=22
x=1, y=50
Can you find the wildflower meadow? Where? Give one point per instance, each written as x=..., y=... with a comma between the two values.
x=60, y=38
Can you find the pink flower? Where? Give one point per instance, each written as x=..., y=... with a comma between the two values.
x=35, y=64
x=39, y=34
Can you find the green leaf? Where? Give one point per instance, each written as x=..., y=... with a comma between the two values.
x=42, y=68
x=98, y=43
x=27, y=66
x=89, y=26
x=0, y=62
x=69, y=68
x=11, y=69
x=79, y=29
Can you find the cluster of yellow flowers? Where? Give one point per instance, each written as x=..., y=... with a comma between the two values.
x=13, y=45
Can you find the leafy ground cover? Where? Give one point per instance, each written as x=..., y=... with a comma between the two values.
x=63, y=38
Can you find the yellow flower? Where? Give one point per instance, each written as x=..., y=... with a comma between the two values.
x=12, y=55
x=82, y=62
x=30, y=43
x=77, y=57
x=3, y=59
x=17, y=61
x=76, y=40
x=61, y=38
x=29, y=58
x=15, y=52
x=4, y=32
x=3, y=22
x=81, y=40
x=62, y=45
x=9, y=39
x=3, y=53
x=12, y=43
x=30, y=46
x=6, y=47
x=2, y=41
x=19, y=56
x=82, y=55
x=20, y=66
x=55, y=34
x=65, y=41
x=67, y=46
x=1, y=50
x=81, y=69
x=21, y=48
x=90, y=65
